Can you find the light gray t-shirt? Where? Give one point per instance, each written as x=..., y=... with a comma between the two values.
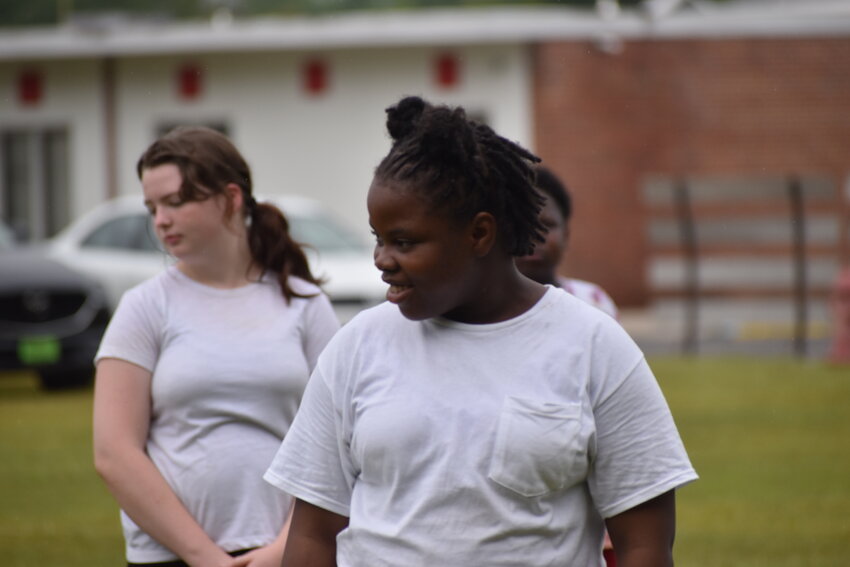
x=229, y=369
x=503, y=444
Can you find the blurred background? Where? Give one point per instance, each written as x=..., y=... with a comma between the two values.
x=706, y=144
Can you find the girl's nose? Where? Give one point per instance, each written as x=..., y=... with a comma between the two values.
x=383, y=260
x=161, y=218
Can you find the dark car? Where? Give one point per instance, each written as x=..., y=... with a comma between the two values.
x=51, y=317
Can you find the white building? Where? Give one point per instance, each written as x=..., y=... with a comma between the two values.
x=303, y=99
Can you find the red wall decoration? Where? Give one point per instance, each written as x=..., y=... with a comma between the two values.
x=30, y=87
x=315, y=76
x=190, y=81
x=447, y=70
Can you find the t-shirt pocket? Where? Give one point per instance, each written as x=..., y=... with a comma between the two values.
x=540, y=447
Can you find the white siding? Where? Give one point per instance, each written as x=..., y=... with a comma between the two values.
x=323, y=146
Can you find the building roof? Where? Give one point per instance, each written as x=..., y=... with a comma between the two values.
x=435, y=27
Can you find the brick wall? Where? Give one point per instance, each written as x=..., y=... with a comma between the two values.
x=606, y=122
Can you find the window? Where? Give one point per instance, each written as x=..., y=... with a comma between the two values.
x=34, y=181
x=322, y=233
x=128, y=232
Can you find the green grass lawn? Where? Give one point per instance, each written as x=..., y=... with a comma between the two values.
x=54, y=510
x=770, y=439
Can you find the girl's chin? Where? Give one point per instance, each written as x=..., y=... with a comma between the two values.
x=413, y=315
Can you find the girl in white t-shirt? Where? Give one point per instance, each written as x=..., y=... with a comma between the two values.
x=477, y=417
x=202, y=367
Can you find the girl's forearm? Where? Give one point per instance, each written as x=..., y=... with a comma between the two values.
x=145, y=496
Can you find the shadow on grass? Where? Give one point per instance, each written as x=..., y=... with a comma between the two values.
x=19, y=385
x=26, y=385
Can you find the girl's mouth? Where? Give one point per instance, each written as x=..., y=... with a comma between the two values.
x=397, y=293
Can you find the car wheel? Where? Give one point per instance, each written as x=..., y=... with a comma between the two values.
x=66, y=378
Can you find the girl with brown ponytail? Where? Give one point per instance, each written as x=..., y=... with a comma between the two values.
x=202, y=367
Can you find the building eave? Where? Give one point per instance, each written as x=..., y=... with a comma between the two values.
x=437, y=27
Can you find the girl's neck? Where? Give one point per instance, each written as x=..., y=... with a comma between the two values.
x=499, y=297
x=226, y=266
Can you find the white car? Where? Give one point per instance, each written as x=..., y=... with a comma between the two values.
x=115, y=244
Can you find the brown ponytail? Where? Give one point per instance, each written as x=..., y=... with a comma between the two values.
x=273, y=248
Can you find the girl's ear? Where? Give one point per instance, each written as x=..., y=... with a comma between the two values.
x=482, y=230
x=235, y=197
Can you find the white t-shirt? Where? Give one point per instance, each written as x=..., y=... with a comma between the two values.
x=590, y=292
x=229, y=369
x=502, y=444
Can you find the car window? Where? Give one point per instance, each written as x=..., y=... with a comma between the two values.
x=133, y=232
x=323, y=234
x=128, y=232
x=7, y=237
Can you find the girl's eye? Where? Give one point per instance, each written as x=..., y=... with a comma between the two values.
x=404, y=244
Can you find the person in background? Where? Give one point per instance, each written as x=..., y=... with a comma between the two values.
x=542, y=264
x=477, y=417
x=202, y=367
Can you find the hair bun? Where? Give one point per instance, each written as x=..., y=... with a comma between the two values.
x=403, y=117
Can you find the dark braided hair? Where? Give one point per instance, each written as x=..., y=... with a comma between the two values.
x=208, y=161
x=549, y=183
x=462, y=167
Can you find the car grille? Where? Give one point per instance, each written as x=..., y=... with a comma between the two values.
x=39, y=306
